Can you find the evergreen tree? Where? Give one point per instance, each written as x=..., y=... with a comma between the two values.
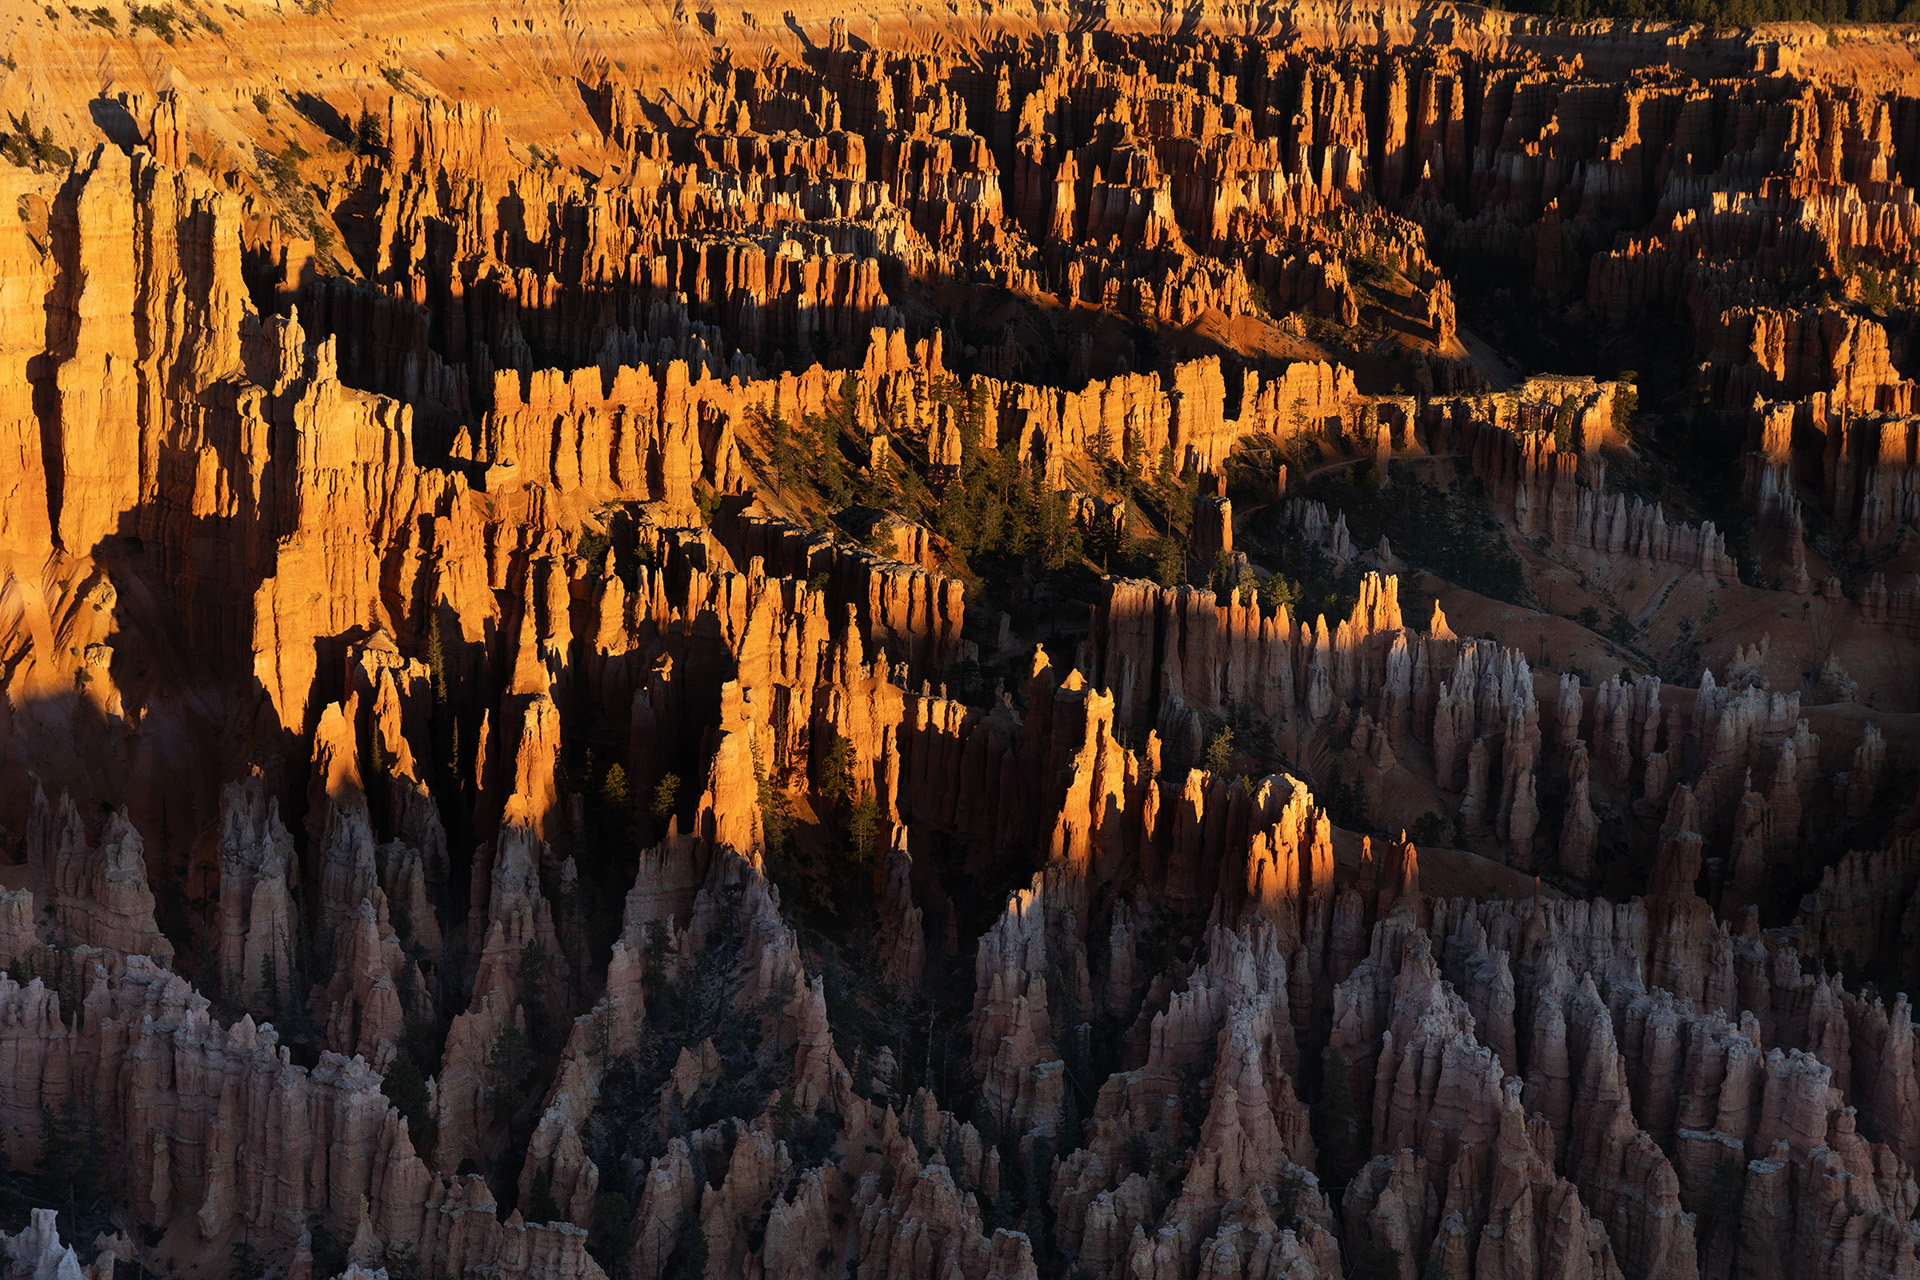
x=836, y=772
x=509, y=1067
x=369, y=135
x=541, y=1206
x=437, y=661
x=1218, y=759
x=665, y=796
x=863, y=825
x=1336, y=1127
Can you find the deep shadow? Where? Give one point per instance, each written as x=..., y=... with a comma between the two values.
x=793, y=25
x=1088, y=16
x=113, y=119
x=594, y=99
x=323, y=114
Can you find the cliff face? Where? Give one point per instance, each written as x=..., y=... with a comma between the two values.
x=662, y=663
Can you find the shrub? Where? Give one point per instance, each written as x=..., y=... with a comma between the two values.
x=99, y=17
x=156, y=20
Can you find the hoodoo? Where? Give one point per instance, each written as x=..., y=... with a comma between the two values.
x=1262, y=643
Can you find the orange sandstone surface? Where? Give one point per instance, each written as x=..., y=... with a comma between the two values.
x=1269, y=642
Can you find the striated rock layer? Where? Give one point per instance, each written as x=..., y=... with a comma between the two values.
x=764, y=648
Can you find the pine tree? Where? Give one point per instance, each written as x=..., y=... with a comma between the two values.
x=437, y=661
x=863, y=825
x=665, y=795
x=1336, y=1129
x=616, y=797
x=836, y=772
x=541, y=1206
x=369, y=135
x=1218, y=760
x=270, y=979
x=509, y=1067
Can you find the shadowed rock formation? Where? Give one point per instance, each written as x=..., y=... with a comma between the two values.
x=982, y=646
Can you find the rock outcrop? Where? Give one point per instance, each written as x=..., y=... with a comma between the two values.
x=833, y=658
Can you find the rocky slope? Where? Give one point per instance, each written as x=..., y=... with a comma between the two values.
x=1036, y=644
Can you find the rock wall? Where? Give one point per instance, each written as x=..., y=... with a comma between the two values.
x=366, y=518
